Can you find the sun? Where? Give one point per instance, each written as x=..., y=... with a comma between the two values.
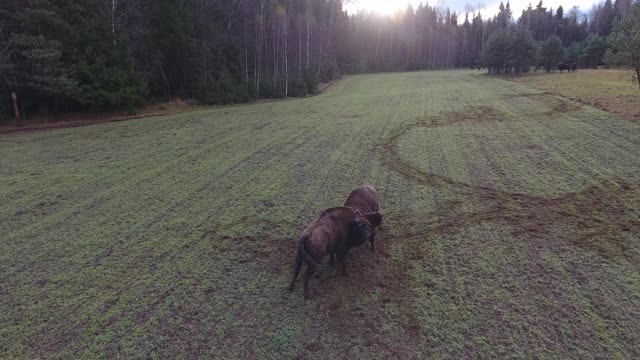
x=383, y=7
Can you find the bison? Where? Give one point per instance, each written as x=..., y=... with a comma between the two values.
x=365, y=200
x=566, y=66
x=574, y=67
x=334, y=232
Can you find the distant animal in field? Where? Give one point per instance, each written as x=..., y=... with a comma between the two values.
x=334, y=232
x=365, y=199
x=574, y=67
x=565, y=66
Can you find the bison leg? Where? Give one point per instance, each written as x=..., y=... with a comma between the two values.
x=311, y=269
x=332, y=260
x=372, y=240
x=342, y=259
x=296, y=270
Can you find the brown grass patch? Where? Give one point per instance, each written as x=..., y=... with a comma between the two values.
x=606, y=89
x=561, y=105
x=325, y=85
x=87, y=118
x=480, y=113
x=558, y=104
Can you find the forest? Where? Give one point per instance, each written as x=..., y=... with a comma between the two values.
x=63, y=55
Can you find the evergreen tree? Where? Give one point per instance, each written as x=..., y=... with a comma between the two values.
x=31, y=57
x=552, y=52
x=523, y=50
x=496, y=51
x=99, y=64
x=593, y=51
x=625, y=43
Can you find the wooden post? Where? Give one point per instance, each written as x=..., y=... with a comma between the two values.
x=16, y=112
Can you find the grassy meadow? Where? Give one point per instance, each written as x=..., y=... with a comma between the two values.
x=512, y=228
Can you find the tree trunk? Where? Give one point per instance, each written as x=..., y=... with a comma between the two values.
x=204, y=61
x=326, y=49
x=275, y=52
x=299, y=47
x=114, y=4
x=635, y=59
x=308, y=35
x=286, y=45
x=16, y=111
x=259, y=42
x=164, y=77
x=246, y=54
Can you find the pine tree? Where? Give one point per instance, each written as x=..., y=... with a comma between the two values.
x=625, y=43
x=552, y=52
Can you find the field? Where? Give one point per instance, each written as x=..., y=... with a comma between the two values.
x=610, y=90
x=512, y=228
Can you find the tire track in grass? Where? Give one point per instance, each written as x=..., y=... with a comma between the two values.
x=157, y=171
x=152, y=173
x=513, y=201
x=257, y=157
x=386, y=280
x=534, y=258
x=179, y=254
x=434, y=286
x=344, y=320
x=170, y=209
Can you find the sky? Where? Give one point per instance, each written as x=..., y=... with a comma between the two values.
x=487, y=7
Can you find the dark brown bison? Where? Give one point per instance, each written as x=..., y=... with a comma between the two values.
x=334, y=232
x=365, y=199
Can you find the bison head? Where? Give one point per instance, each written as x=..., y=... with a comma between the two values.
x=373, y=218
x=360, y=231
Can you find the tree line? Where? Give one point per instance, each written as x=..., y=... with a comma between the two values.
x=65, y=55
x=544, y=38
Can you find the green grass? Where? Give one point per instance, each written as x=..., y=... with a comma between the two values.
x=511, y=228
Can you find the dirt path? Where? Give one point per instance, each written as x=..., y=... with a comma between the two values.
x=79, y=119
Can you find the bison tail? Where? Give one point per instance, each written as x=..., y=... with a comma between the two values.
x=296, y=270
x=303, y=250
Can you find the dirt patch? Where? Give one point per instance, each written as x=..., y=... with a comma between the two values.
x=350, y=116
x=535, y=148
x=339, y=296
x=325, y=85
x=352, y=312
x=84, y=119
x=531, y=95
x=561, y=105
x=558, y=104
x=57, y=340
x=353, y=317
x=479, y=113
x=72, y=123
